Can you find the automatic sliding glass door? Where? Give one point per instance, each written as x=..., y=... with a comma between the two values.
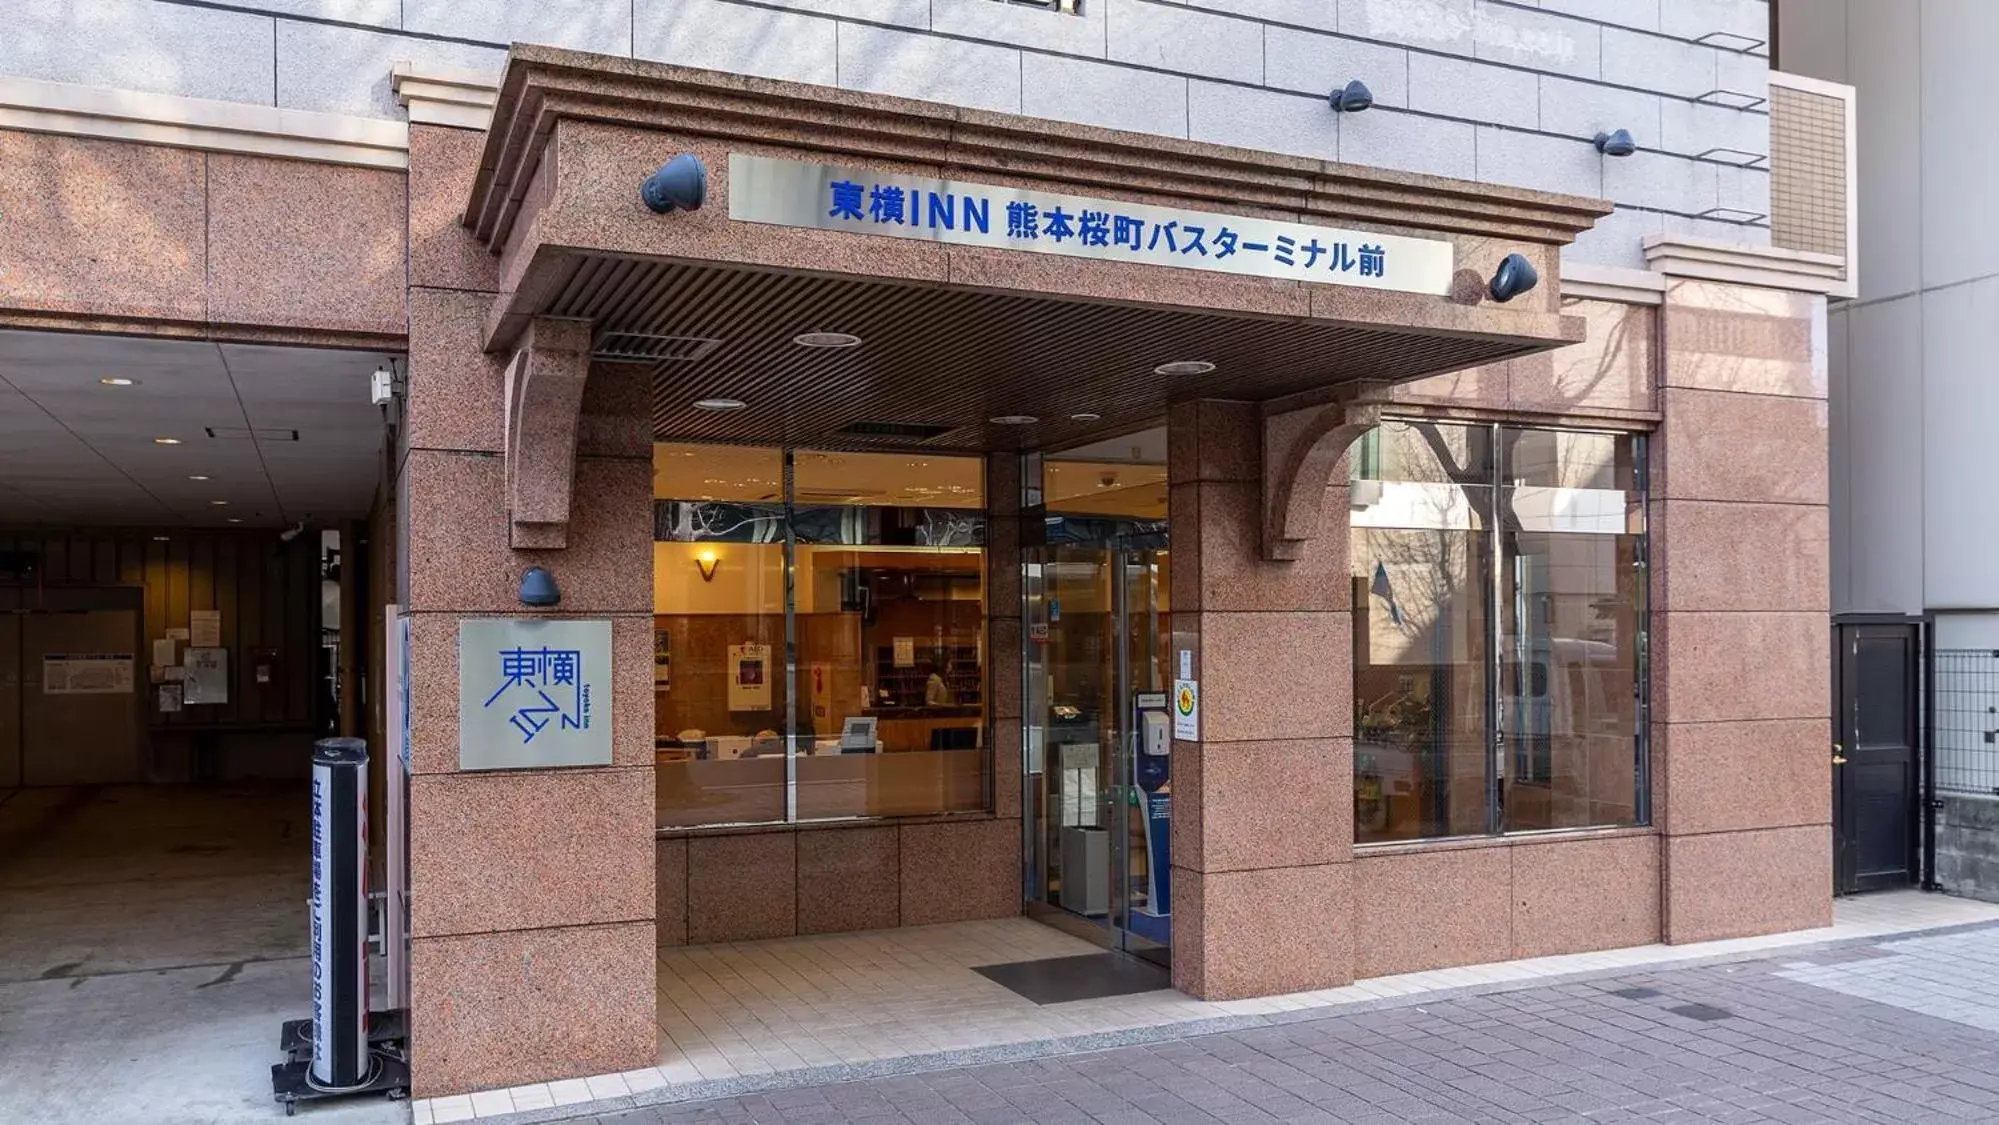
x=1097, y=779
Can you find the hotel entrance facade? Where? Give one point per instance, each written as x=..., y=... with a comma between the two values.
x=1275, y=629
x=890, y=514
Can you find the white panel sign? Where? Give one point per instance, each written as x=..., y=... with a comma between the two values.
x=87, y=674
x=868, y=201
x=533, y=693
x=1187, y=710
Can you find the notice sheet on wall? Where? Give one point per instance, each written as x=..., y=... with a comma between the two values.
x=204, y=628
x=87, y=674
x=207, y=676
x=169, y=698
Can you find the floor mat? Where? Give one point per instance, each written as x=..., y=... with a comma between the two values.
x=1058, y=980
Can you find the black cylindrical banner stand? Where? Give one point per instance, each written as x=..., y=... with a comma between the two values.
x=339, y=923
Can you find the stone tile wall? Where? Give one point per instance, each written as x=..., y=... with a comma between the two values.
x=533, y=892
x=1741, y=642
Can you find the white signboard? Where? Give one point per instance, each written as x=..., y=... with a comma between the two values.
x=749, y=677
x=870, y=201
x=533, y=693
x=206, y=675
x=1186, y=710
x=87, y=674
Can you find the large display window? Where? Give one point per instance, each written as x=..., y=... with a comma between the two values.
x=819, y=635
x=1499, y=630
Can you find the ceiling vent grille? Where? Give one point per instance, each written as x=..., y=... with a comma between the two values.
x=894, y=431
x=244, y=433
x=637, y=347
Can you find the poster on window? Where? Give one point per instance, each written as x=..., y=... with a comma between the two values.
x=206, y=679
x=749, y=677
x=662, y=660
x=87, y=674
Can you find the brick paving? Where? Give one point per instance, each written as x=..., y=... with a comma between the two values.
x=1898, y=1031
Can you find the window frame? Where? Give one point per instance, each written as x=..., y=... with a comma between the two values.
x=1502, y=751
x=786, y=509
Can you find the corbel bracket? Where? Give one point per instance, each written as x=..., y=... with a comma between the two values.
x=1301, y=449
x=544, y=403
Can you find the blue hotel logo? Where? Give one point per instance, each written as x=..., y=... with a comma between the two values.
x=859, y=201
x=530, y=693
x=543, y=686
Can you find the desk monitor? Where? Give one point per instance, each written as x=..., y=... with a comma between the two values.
x=857, y=735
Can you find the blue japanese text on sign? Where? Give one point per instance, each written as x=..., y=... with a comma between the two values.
x=862, y=201
x=533, y=693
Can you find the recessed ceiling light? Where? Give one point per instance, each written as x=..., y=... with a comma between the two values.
x=166, y=441
x=197, y=476
x=1184, y=367
x=826, y=340
x=720, y=404
x=162, y=538
x=1014, y=419
x=1086, y=416
x=235, y=519
x=220, y=503
x=117, y=381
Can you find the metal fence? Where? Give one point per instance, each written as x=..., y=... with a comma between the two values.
x=1967, y=721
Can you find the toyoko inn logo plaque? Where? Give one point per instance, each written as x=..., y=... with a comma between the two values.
x=533, y=693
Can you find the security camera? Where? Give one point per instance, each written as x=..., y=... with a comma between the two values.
x=382, y=386
x=1516, y=275
x=681, y=184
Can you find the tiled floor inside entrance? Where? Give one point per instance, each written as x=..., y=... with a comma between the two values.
x=731, y=1010
x=756, y=1015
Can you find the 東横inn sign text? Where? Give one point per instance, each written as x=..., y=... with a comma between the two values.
x=862, y=201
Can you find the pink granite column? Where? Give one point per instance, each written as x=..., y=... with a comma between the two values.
x=533, y=892
x=1263, y=803
x=1741, y=682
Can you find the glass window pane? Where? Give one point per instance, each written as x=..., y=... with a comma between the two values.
x=1568, y=459
x=718, y=682
x=1570, y=609
x=892, y=670
x=1436, y=452
x=910, y=480
x=691, y=471
x=1105, y=488
x=1421, y=662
